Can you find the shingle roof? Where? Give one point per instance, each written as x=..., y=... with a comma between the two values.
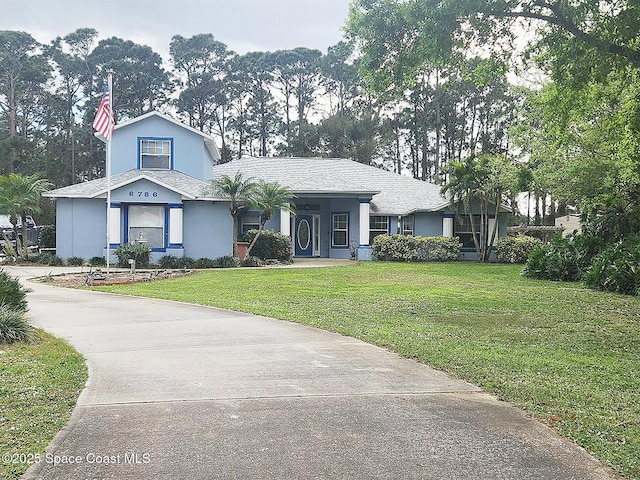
x=178, y=182
x=393, y=194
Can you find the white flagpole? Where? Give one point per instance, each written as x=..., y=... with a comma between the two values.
x=110, y=85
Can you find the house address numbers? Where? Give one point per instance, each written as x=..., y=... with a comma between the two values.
x=142, y=194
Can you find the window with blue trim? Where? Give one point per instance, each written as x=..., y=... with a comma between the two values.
x=155, y=153
x=147, y=225
x=378, y=225
x=340, y=230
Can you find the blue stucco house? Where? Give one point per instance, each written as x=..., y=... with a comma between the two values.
x=160, y=195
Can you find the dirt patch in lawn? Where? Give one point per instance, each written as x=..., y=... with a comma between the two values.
x=99, y=277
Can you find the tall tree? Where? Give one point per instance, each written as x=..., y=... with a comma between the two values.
x=297, y=77
x=202, y=68
x=140, y=83
x=23, y=72
x=253, y=71
x=69, y=56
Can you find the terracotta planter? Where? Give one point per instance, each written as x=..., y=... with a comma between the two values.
x=242, y=248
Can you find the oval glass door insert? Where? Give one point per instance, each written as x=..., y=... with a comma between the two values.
x=303, y=234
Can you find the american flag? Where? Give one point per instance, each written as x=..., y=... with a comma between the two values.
x=104, y=123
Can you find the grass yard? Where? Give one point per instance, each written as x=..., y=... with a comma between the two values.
x=567, y=355
x=39, y=386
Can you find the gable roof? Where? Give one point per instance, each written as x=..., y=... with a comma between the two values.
x=181, y=183
x=209, y=141
x=393, y=194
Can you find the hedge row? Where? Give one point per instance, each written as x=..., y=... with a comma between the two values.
x=407, y=248
x=516, y=249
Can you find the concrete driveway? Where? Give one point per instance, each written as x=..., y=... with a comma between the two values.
x=178, y=391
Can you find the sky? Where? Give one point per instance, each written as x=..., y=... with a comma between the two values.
x=243, y=25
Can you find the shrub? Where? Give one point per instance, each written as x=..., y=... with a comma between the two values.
x=13, y=326
x=136, y=251
x=205, y=263
x=227, y=262
x=410, y=248
x=565, y=259
x=97, y=261
x=252, y=261
x=12, y=294
x=616, y=269
x=516, y=249
x=169, y=261
x=47, y=236
x=270, y=245
x=55, y=261
x=187, y=262
x=77, y=261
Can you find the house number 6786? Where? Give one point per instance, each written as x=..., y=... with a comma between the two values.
x=142, y=194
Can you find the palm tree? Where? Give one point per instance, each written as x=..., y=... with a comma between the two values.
x=269, y=197
x=481, y=181
x=239, y=192
x=19, y=197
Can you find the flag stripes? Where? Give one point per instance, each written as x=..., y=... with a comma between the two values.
x=104, y=123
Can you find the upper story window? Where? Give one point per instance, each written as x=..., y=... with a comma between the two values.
x=156, y=153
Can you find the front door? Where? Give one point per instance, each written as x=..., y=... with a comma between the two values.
x=304, y=236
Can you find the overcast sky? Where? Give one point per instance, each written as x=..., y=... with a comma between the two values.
x=243, y=25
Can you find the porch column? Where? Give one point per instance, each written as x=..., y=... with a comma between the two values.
x=114, y=224
x=285, y=222
x=447, y=225
x=176, y=225
x=364, y=221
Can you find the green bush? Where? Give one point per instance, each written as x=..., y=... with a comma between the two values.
x=270, y=245
x=97, y=261
x=136, y=251
x=13, y=326
x=47, y=236
x=169, y=261
x=76, y=261
x=408, y=248
x=617, y=269
x=564, y=259
x=55, y=261
x=205, y=263
x=516, y=249
x=252, y=261
x=12, y=294
x=227, y=262
x=187, y=262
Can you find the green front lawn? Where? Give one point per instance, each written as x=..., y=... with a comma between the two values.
x=567, y=355
x=39, y=386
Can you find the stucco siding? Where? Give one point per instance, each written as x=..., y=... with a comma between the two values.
x=190, y=155
x=80, y=228
x=428, y=224
x=207, y=229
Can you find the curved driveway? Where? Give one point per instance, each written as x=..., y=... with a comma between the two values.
x=178, y=391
